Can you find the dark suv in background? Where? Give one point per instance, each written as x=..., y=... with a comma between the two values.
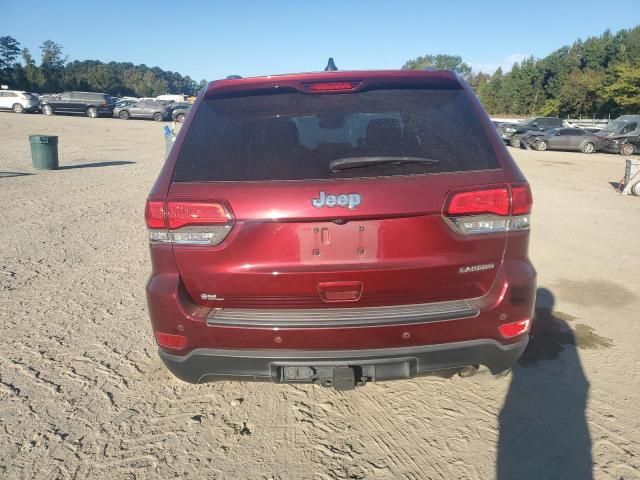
x=621, y=135
x=84, y=103
x=512, y=132
x=335, y=228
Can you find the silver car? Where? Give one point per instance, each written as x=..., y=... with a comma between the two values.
x=565, y=139
x=18, y=101
x=142, y=109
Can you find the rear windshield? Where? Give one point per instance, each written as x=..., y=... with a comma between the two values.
x=294, y=136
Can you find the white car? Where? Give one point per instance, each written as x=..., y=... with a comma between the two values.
x=18, y=101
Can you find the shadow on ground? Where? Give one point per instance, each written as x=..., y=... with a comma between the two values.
x=96, y=164
x=14, y=174
x=543, y=428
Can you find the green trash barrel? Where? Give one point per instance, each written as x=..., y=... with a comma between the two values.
x=44, y=152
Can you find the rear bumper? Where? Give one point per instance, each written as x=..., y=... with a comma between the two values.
x=207, y=365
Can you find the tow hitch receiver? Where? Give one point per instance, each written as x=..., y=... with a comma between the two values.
x=341, y=377
x=344, y=378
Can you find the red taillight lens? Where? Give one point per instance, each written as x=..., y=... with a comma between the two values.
x=206, y=222
x=168, y=340
x=521, y=200
x=489, y=210
x=508, y=330
x=487, y=201
x=332, y=86
x=184, y=213
x=154, y=214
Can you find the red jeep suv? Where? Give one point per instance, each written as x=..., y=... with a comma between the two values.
x=339, y=228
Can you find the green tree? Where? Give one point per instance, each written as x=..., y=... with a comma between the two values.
x=34, y=79
x=52, y=65
x=9, y=51
x=624, y=92
x=582, y=92
x=439, y=62
x=490, y=93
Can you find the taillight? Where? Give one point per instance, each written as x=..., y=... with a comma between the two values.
x=489, y=201
x=183, y=214
x=508, y=330
x=188, y=222
x=489, y=210
x=154, y=214
x=521, y=200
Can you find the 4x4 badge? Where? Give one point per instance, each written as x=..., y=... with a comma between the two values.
x=349, y=200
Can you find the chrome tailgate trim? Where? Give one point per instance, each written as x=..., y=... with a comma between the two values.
x=342, y=317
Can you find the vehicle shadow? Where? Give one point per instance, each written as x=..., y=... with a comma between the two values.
x=96, y=164
x=543, y=427
x=14, y=174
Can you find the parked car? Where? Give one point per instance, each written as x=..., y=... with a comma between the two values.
x=179, y=110
x=561, y=139
x=124, y=103
x=621, y=135
x=86, y=103
x=171, y=98
x=18, y=101
x=336, y=228
x=143, y=109
x=512, y=132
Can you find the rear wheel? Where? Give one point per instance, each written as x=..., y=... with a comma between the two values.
x=180, y=117
x=515, y=141
x=17, y=108
x=92, y=112
x=588, y=148
x=635, y=189
x=627, y=149
x=158, y=117
x=541, y=145
x=47, y=109
x=124, y=115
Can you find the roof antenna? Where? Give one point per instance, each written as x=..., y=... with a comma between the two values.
x=331, y=66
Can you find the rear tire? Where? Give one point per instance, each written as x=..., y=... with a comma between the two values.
x=124, y=115
x=158, y=117
x=541, y=145
x=92, y=112
x=515, y=141
x=627, y=149
x=180, y=117
x=17, y=108
x=588, y=148
x=635, y=189
x=47, y=109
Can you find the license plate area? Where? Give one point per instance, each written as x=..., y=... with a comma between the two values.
x=339, y=377
x=345, y=376
x=338, y=243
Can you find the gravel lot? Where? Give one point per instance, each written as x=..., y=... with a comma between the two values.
x=84, y=395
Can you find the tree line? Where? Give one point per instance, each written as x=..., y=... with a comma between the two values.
x=599, y=76
x=19, y=70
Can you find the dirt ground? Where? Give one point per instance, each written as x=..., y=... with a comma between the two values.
x=83, y=394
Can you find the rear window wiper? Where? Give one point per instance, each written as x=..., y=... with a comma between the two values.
x=357, y=162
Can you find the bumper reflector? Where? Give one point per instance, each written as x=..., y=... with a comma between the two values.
x=508, y=330
x=168, y=340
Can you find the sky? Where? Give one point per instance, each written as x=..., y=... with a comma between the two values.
x=213, y=39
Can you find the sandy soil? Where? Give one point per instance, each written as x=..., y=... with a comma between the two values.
x=84, y=395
